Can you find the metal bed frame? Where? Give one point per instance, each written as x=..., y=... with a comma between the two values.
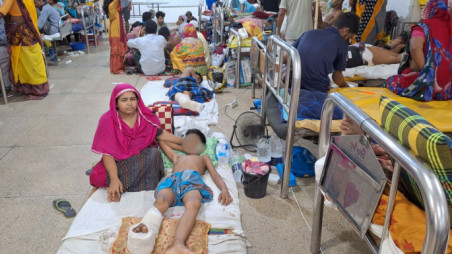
x=436, y=210
x=256, y=45
x=218, y=23
x=89, y=23
x=276, y=44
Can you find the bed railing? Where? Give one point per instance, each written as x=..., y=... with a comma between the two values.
x=3, y=85
x=89, y=20
x=256, y=46
x=218, y=23
x=276, y=50
x=436, y=210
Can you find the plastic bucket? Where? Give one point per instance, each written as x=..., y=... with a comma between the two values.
x=77, y=46
x=255, y=186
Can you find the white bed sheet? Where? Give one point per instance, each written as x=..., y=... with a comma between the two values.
x=381, y=71
x=98, y=217
x=154, y=91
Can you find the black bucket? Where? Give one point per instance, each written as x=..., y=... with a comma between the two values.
x=255, y=186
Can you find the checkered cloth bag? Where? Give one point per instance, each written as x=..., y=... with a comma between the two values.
x=165, y=114
x=177, y=109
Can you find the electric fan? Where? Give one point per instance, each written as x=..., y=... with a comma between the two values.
x=248, y=129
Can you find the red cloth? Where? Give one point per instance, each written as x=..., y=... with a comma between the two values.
x=115, y=138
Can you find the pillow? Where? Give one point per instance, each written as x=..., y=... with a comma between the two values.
x=165, y=114
x=425, y=141
x=197, y=241
x=211, y=144
x=177, y=110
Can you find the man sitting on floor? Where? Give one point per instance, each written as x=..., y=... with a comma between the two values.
x=188, y=92
x=151, y=47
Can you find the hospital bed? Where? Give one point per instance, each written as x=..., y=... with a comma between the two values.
x=88, y=16
x=436, y=210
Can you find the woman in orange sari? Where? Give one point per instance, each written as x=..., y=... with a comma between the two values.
x=28, y=70
x=116, y=35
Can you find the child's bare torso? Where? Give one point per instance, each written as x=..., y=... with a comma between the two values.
x=190, y=162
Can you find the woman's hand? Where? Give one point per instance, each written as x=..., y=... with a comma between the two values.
x=224, y=198
x=114, y=190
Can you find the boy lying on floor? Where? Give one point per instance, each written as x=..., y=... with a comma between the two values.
x=188, y=92
x=183, y=187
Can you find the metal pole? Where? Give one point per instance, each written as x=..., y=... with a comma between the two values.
x=317, y=217
x=392, y=195
x=2, y=79
x=238, y=63
x=316, y=15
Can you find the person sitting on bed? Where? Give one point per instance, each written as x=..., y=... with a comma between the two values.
x=184, y=187
x=424, y=73
x=151, y=47
x=367, y=54
x=326, y=52
x=188, y=92
x=126, y=138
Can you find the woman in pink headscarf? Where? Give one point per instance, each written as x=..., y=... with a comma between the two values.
x=126, y=139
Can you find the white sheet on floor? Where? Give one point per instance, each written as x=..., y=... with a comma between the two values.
x=98, y=216
x=381, y=71
x=154, y=91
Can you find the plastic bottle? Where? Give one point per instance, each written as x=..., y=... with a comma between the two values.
x=277, y=148
x=236, y=161
x=263, y=150
x=222, y=152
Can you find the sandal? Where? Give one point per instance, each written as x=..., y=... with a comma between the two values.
x=65, y=207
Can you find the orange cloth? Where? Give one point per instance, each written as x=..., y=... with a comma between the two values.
x=407, y=226
x=10, y=7
x=116, y=34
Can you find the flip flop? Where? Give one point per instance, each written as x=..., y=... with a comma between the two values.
x=65, y=207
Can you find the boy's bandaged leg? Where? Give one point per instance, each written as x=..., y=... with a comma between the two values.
x=143, y=243
x=185, y=102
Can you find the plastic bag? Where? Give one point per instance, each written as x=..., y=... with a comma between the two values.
x=233, y=44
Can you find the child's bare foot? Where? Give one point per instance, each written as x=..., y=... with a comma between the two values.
x=141, y=228
x=178, y=249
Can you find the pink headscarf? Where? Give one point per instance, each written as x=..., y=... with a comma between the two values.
x=115, y=138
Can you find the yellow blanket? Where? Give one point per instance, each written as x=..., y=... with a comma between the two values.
x=407, y=225
x=438, y=113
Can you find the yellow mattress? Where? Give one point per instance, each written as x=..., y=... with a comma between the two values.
x=438, y=113
x=314, y=125
x=354, y=78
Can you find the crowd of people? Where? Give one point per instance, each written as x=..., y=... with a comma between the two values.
x=152, y=48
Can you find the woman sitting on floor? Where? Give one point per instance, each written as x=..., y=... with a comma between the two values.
x=132, y=57
x=424, y=73
x=189, y=52
x=126, y=138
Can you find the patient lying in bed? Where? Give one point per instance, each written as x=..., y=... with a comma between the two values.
x=183, y=187
x=367, y=54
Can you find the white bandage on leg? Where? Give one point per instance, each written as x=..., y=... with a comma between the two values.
x=143, y=243
x=185, y=102
x=368, y=57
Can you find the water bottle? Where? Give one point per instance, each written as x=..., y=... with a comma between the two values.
x=263, y=150
x=222, y=152
x=277, y=147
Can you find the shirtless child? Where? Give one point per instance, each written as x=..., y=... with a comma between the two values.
x=183, y=187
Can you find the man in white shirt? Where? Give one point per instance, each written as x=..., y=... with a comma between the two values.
x=299, y=18
x=151, y=47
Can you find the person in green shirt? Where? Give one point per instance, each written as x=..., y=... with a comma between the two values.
x=160, y=20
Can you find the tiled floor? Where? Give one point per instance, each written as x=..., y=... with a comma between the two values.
x=45, y=150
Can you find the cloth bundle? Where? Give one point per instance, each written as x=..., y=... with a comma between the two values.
x=255, y=167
